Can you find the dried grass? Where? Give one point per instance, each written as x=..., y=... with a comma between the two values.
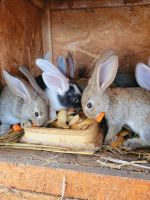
x=139, y=159
x=139, y=153
x=39, y=147
x=118, y=164
x=11, y=137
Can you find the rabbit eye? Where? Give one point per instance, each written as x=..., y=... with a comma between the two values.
x=75, y=100
x=36, y=114
x=89, y=105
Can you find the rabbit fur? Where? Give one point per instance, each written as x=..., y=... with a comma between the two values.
x=20, y=103
x=122, y=106
x=81, y=74
x=58, y=88
x=142, y=75
x=68, y=67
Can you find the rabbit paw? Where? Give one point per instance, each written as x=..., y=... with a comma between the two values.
x=26, y=124
x=134, y=143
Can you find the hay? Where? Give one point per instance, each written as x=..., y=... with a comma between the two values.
x=139, y=153
x=118, y=164
x=39, y=147
x=11, y=137
x=139, y=159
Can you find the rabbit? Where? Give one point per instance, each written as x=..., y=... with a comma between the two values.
x=122, y=79
x=142, y=75
x=148, y=62
x=81, y=74
x=20, y=103
x=68, y=67
x=78, y=75
x=122, y=106
x=62, y=94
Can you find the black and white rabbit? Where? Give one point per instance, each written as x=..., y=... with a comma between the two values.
x=61, y=92
x=78, y=74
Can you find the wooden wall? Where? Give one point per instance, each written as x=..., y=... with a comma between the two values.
x=20, y=35
x=86, y=27
x=88, y=30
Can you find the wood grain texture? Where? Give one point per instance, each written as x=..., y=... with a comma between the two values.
x=79, y=184
x=89, y=139
x=88, y=32
x=38, y=3
x=14, y=194
x=20, y=35
x=46, y=30
x=82, y=4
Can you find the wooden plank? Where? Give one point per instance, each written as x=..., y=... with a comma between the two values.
x=85, y=4
x=88, y=33
x=89, y=139
x=46, y=31
x=79, y=184
x=38, y=3
x=15, y=194
x=20, y=36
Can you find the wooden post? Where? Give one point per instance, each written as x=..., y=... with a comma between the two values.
x=46, y=31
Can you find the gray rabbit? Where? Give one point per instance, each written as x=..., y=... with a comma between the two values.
x=122, y=106
x=21, y=103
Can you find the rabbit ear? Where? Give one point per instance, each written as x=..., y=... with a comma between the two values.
x=62, y=65
x=107, y=72
x=142, y=74
x=47, y=66
x=55, y=83
x=102, y=58
x=31, y=79
x=71, y=65
x=17, y=86
x=149, y=61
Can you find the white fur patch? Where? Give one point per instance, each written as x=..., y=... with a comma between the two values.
x=53, y=99
x=77, y=91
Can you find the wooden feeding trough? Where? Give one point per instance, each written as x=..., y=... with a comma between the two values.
x=89, y=140
x=33, y=28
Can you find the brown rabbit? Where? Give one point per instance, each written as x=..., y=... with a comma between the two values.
x=122, y=106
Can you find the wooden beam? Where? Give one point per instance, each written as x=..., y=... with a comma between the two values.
x=46, y=31
x=85, y=4
x=25, y=173
x=38, y=3
x=15, y=194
